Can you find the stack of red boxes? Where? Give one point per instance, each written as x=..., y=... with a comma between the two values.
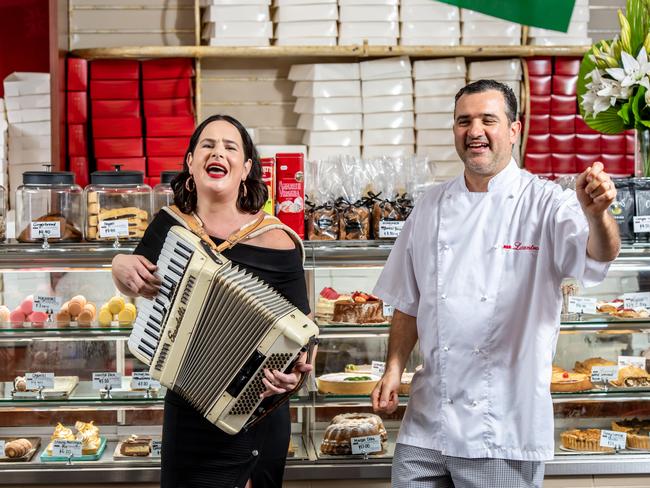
x=77, y=119
x=559, y=142
x=168, y=112
x=115, y=113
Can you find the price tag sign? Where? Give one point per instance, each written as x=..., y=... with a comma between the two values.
x=603, y=373
x=106, y=380
x=38, y=381
x=66, y=449
x=114, y=228
x=141, y=380
x=611, y=438
x=366, y=445
x=46, y=304
x=642, y=224
x=631, y=361
x=2, y=448
x=390, y=229
x=636, y=300
x=378, y=367
x=42, y=230
x=389, y=310
x=582, y=305
x=156, y=447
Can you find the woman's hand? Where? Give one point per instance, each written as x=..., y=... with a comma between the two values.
x=277, y=382
x=134, y=276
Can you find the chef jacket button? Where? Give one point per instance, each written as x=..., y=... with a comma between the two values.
x=511, y=196
x=474, y=403
x=446, y=348
x=443, y=296
x=476, y=350
x=255, y=453
x=448, y=196
x=445, y=247
x=450, y=401
x=483, y=298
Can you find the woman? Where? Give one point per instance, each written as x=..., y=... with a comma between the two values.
x=221, y=183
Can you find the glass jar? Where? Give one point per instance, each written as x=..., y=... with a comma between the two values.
x=49, y=207
x=163, y=195
x=118, y=206
x=3, y=214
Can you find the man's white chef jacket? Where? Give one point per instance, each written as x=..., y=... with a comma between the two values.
x=482, y=273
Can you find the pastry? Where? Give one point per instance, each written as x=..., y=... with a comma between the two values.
x=37, y=317
x=638, y=432
x=568, y=382
x=583, y=440
x=358, y=368
x=360, y=308
x=17, y=316
x=62, y=433
x=76, y=305
x=87, y=315
x=20, y=384
x=105, y=317
x=557, y=369
x=585, y=366
x=63, y=317
x=630, y=376
x=138, y=219
x=27, y=305
x=17, y=448
x=127, y=315
x=325, y=304
x=323, y=224
x=88, y=434
x=347, y=383
x=610, y=307
x=136, y=446
x=336, y=439
x=67, y=229
x=4, y=314
x=116, y=305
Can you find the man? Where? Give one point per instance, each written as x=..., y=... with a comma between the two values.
x=475, y=277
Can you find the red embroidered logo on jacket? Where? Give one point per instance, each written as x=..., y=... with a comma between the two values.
x=518, y=246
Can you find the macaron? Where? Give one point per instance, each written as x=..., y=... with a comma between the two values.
x=86, y=316
x=37, y=317
x=27, y=305
x=127, y=316
x=116, y=305
x=76, y=304
x=17, y=316
x=4, y=314
x=62, y=317
x=105, y=317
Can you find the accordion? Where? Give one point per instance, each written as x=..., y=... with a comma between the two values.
x=213, y=328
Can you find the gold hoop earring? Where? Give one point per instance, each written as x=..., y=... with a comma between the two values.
x=245, y=190
x=187, y=184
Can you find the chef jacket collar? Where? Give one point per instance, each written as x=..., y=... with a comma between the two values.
x=503, y=181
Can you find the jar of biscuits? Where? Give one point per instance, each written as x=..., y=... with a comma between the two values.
x=49, y=208
x=118, y=206
x=163, y=195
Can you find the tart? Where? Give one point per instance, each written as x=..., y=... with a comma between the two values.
x=568, y=382
x=638, y=432
x=583, y=440
x=585, y=366
x=347, y=383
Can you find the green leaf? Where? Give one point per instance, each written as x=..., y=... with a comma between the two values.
x=626, y=113
x=607, y=122
x=645, y=123
x=640, y=109
x=637, y=14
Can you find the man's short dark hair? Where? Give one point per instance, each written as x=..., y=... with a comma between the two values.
x=481, y=86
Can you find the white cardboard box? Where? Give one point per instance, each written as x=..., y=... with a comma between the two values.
x=28, y=156
x=324, y=28
x=506, y=69
x=249, y=13
x=446, y=170
x=437, y=69
x=30, y=128
x=428, y=12
x=298, y=13
x=430, y=41
x=369, y=13
x=27, y=102
x=491, y=29
x=270, y=150
x=347, y=3
x=330, y=122
x=440, y=153
x=381, y=88
x=325, y=152
x=388, y=151
x=368, y=29
x=371, y=41
x=514, y=85
x=326, y=89
x=387, y=68
x=31, y=142
x=324, y=71
x=412, y=29
x=434, y=121
x=284, y=3
x=2, y=105
x=28, y=115
x=379, y=137
x=245, y=30
x=576, y=29
x=441, y=8
x=207, y=3
x=239, y=41
x=437, y=88
x=491, y=41
x=560, y=40
x=396, y=103
x=467, y=15
x=334, y=105
x=306, y=41
x=388, y=120
x=435, y=137
x=332, y=138
x=25, y=83
x=433, y=105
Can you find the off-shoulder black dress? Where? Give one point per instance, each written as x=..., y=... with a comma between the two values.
x=195, y=453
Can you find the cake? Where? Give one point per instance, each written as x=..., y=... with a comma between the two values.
x=567, y=382
x=583, y=440
x=136, y=446
x=631, y=376
x=344, y=427
x=325, y=304
x=638, y=432
x=347, y=383
x=360, y=308
x=585, y=366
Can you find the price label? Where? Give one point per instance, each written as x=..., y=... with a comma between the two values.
x=46, y=304
x=390, y=229
x=389, y=310
x=582, y=305
x=603, y=373
x=156, y=448
x=114, y=228
x=636, y=300
x=107, y=380
x=378, y=368
x=38, y=381
x=631, y=361
x=41, y=230
x=66, y=449
x=641, y=224
x=2, y=448
x=366, y=445
x=141, y=380
x=611, y=438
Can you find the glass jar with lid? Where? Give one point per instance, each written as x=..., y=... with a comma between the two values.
x=163, y=195
x=49, y=207
x=118, y=206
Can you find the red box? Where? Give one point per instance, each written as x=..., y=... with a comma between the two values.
x=162, y=89
x=77, y=74
x=111, y=109
x=172, y=107
x=117, y=127
x=77, y=140
x=612, y=144
x=563, y=163
x=540, y=85
x=77, y=107
x=79, y=166
x=565, y=85
x=169, y=126
x=130, y=164
x=538, y=143
x=563, y=143
x=157, y=69
x=119, y=148
x=539, y=124
x=567, y=66
x=539, y=66
x=167, y=146
x=115, y=69
x=156, y=165
x=588, y=143
x=562, y=124
x=540, y=104
x=630, y=141
x=114, y=89
x=563, y=105
x=629, y=165
x=538, y=163
x=290, y=190
x=582, y=127
x=583, y=161
x=614, y=163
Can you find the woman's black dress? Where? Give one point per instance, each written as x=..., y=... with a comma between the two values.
x=197, y=454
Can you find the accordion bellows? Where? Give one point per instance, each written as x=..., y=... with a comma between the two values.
x=213, y=328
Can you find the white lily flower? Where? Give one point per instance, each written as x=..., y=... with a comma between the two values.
x=633, y=71
x=601, y=94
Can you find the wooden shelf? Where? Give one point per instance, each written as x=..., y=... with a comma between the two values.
x=358, y=51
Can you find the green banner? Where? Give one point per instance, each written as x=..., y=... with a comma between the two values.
x=548, y=14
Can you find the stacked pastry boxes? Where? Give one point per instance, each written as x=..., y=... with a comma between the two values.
x=559, y=142
x=374, y=21
x=306, y=22
x=436, y=83
x=115, y=110
x=329, y=104
x=480, y=30
x=168, y=112
x=27, y=102
x=77, y=119
x=427, y=23
x=388, y=118
x=4, y=133
x=243, y=23
x=577, y=34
